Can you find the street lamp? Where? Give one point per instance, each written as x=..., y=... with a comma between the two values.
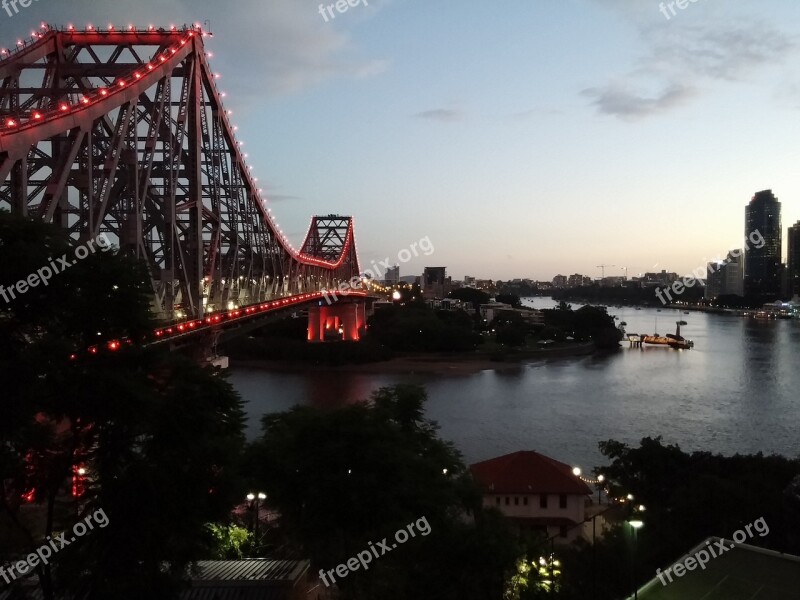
x=635, y=524
x=600, y=479
x=255, y=499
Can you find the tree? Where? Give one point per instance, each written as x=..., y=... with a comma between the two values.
x=344, y=478
x=158, y=435
x=509, y=298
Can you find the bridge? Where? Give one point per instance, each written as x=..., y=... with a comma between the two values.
x=123, y=132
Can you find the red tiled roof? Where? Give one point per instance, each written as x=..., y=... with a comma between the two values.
x=527, y=472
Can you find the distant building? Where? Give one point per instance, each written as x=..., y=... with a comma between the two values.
x=662, y=279
x=392, y=275
x=762, y=273
x=793, y=260
x=489, y=310
x=725, y=278
x=435, y=283
x=577, y=280
x=612, y=281
x=469, y=281
x=538, y=493
x=560, y=281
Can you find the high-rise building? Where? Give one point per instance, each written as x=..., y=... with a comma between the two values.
x=435, y=283
x=725, y=278
x=393, y=275
x=793, y=260
x=762, y=265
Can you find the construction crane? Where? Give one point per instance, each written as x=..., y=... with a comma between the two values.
x=603, y=267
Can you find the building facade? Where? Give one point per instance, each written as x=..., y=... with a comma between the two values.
x=762, y=273
x=435, y=283
x=793, y=260
x=537, y=493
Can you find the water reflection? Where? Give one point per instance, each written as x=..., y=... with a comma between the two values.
x=735, y=391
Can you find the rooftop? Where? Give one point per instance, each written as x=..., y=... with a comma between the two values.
x=744, y=572
x=528, y=472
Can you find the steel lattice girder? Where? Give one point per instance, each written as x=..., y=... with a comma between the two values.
x=124, y=133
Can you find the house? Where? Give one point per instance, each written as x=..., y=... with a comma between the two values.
x=538, y=493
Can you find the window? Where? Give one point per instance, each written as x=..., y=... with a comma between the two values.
x=516, y=500
x=543, y=501
x=525, y=500
x=498, y=501
x=507, y=501
x=562, y=531
x=562, y=501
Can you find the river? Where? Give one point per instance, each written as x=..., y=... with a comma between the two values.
x=737, y=390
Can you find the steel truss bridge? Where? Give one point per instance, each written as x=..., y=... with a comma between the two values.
x=123, y=132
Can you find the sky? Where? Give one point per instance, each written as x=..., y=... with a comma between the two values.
x=521, y=138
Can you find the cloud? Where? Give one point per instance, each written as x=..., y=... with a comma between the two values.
x=262, y=49
x=622, y=101
x=680, y=57
x=445, y=115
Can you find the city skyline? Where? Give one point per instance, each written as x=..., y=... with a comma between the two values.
x=524, y=142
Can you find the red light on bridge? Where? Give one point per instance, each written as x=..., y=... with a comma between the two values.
x=93, y=350
x=37, y=115
x=159, y=333
x=114, y=345
x=84, y=100
x=121, y=83
x=104, y=92
x=11, y=123
x=180, y=327
x=64, y=107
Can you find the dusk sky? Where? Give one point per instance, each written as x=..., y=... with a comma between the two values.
x=524, y=138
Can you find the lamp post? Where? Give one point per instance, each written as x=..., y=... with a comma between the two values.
x=255, y=499
x=635, y=524
x=600, y=479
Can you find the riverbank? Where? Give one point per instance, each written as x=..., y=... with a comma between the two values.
x=432, y=364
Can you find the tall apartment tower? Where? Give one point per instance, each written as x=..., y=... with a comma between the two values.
x=762, y=266
x=793, y=260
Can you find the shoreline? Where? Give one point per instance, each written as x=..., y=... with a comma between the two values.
x=432, y=364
